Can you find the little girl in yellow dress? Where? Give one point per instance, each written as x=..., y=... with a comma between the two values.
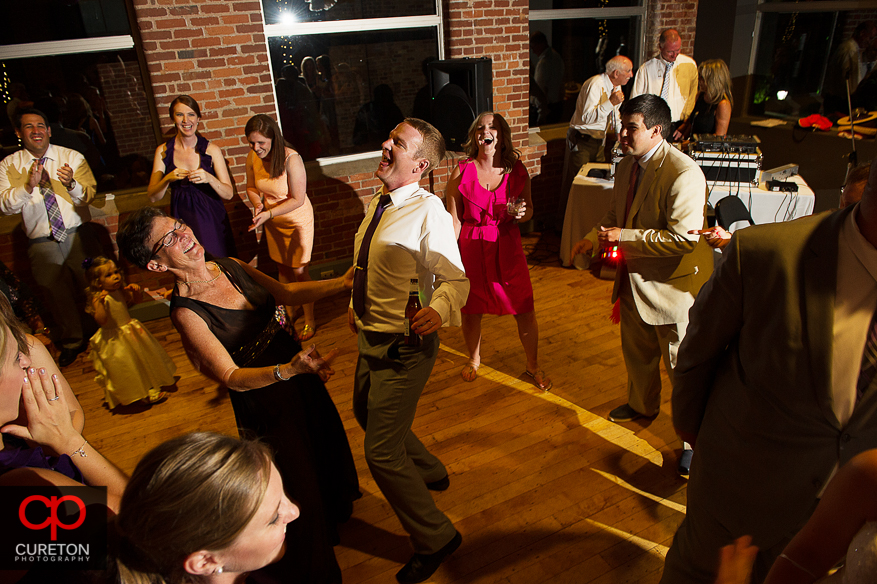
x=131, y=365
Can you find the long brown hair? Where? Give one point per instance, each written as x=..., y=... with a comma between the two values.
x=266, y=126
x=508, y=153
x=194, y=492
x=186, y=101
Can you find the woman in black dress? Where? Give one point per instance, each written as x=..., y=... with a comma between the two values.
x=227, y=315
x=712, y=110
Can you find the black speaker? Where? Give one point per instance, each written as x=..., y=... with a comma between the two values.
x=460, y=89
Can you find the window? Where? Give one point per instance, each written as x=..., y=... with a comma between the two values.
x=78, y=64
x=347, y=73
x=797, y=66
x=585, y=34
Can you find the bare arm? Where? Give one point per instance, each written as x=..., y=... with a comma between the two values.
x=221, y=182
x=99, y=305
x=454, y=200
x=253, y=194
x=723, y=117
x=848, y=503
x=295, y=293
x=296, y=183
x=49, y=424
x=528, y=201
x=159, y=181
x=211, y=358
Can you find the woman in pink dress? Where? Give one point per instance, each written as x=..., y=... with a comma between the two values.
x=487, y=195
x=276, y=185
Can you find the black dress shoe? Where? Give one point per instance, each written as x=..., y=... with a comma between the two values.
x=626, y=413
x=421, y=566
x=685, y=461
x=69, y=355
x=439, y=485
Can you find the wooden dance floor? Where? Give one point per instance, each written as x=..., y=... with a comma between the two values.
x=543, y=487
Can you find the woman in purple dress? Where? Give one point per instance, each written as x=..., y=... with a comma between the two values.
x=198, y=178
x=487, y=195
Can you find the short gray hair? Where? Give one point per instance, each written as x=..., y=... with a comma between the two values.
x=616, y=64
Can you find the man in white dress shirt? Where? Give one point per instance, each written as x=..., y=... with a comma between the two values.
x=406, y=233
x=671, y=76
x=51, y=187
x=596, y=116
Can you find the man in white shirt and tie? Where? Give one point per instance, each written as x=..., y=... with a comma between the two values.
x=596, y=116
x=406, y=233
x=671, y=76
x=51, y=187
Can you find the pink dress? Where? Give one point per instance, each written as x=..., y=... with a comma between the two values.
x=490, y=245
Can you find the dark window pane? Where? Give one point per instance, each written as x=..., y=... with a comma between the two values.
x=34, y=21
x=287, y=11
x=367, y=84
x=585, y=45
x=100, y=102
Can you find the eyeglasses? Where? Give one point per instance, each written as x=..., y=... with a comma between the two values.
x=169, y=238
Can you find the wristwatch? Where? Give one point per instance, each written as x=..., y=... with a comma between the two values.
x=278, y=376
x=72, y=185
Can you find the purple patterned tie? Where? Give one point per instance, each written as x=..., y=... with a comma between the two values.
x=868, y=370
x=56, y=222
x=360, y=274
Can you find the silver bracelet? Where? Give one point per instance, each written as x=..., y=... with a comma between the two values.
x=799, y=566
x=80, y=451
x=278, y=376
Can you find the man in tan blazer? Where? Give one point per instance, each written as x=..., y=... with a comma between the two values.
x=772, y=382
x=663, y=266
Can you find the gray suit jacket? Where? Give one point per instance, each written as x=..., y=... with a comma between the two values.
x=665, y=264
x=753, y=381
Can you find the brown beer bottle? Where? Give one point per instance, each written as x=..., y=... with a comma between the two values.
x=412, y=339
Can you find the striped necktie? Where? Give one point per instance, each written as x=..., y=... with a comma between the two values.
x=665, y=88
x=868, y=370
x=56, y=222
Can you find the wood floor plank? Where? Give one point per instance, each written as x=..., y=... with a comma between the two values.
x=543, y=487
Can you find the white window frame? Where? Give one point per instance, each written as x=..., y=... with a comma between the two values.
x=358, y=25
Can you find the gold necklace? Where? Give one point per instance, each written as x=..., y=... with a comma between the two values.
x=190, y=282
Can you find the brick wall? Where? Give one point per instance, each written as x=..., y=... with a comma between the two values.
x=663, y=14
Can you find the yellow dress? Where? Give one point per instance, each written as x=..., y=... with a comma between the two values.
x=290, y=236
x=130, y=363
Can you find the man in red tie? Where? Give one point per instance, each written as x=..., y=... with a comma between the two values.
x=660, y=195
x=51, y=187
x=406, y=234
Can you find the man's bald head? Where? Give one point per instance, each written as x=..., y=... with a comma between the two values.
x=670, y=44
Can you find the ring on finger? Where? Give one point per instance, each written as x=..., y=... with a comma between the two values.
x=57, y=397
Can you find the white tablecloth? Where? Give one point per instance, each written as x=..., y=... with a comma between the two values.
x=589, y=200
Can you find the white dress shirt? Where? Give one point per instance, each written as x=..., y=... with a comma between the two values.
x=683, y=89
x=414, y=238
x=854, y=306
x=14, y=198
x=594, y=111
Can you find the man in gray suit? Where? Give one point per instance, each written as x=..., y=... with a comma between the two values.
x=660, y=195
x=776, y=383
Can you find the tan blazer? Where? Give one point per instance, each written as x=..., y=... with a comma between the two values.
x=753, y=381
x=666, y=266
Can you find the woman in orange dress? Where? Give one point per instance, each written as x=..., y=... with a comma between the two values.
x=276, y=185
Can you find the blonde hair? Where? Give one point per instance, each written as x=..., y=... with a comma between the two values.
x=432, y=145
x=92, y=276
x=194, y=492
x=508, y=152
x=716, y=81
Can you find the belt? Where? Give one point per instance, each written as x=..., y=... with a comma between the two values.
x=68, y=231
